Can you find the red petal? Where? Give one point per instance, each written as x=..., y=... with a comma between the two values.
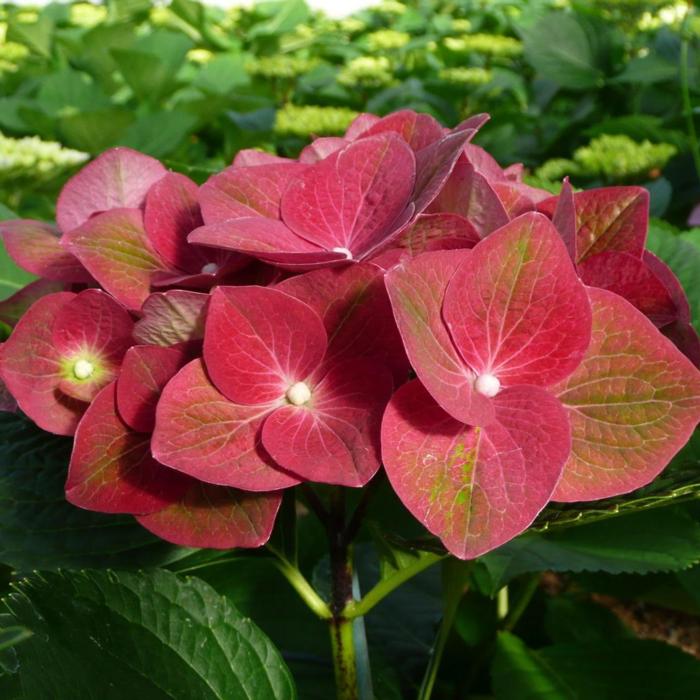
x=321, y=148
x=632, y=279
x=438, y=232
x=216, y=517
x=417, y=130
x=114, y=247
x=417, y=289
x=111, y=469
x=355, y=309
x=633, y=403
x=516, y=308
x=35, y=247
x=259, y=341
x=171, y=213
x=475, y=488
x=145, y=371
x=470, y=195
x=31, y=368
x=351, y=199
x=203, y=434
x=242, y=192
x=172, y=317
x=118, y=178
x=335, y=437
x=14, y=307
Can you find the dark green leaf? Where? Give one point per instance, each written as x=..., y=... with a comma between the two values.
x=94, y=131
x=560, y=49
x=666, y=539
x=614, y=669
x=159, y=133
x=40, y=529
x=146, y=635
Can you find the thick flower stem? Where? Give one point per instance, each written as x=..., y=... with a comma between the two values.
x=344, y=664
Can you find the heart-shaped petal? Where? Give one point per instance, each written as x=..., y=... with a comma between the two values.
x=350, y=200
x=417, y=289
x=475, y=488
x=631, y=278
x=469, y=194
x=259, y=341
x=334, y=437
x=355, y=309
x=249, y=191
x=633, y=403
x=171, y=213
x=516, y=309
x=111, y=469
x=438, y=232
x=114, y=247
x=119, y=178
x=201, y=433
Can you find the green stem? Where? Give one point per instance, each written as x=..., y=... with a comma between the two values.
x=685, y=94
x=301, y=586
x=341, y=626
x=344, y=665
x=383, y=588
x=454, y=586
x=521, y=604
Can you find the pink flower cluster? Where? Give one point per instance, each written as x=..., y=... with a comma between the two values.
x=210, y=346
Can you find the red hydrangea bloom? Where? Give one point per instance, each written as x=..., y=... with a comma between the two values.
x=348, y=205
x=212, y=346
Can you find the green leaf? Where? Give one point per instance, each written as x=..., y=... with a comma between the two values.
x=159, y=133
x=94, y=131
x=222, y=74
x=9, y=636
x=37, y=36
x=647, y=70
x=146, y=635
x=560, y=49
x=613, y=669
x=68, y=92
x=570, y=620
x=655, y=540
x=683, y=257
x=286, y=16
x=150, y=67
x=40, y=529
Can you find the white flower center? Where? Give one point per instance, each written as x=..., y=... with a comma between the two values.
x=344, y=251
x=298, y=394
x=487, y=384
x=210, y=269
x=83, y=369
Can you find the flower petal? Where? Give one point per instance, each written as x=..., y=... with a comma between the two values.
x=172, y=317
x=417, y=289
x=633, y=403
x=118, y=178
x=215, y=517
x=516, y=308
x=111, y=469
x=259, y=341
x=201, y=433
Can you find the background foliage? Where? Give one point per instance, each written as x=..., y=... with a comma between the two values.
x=601, y=91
